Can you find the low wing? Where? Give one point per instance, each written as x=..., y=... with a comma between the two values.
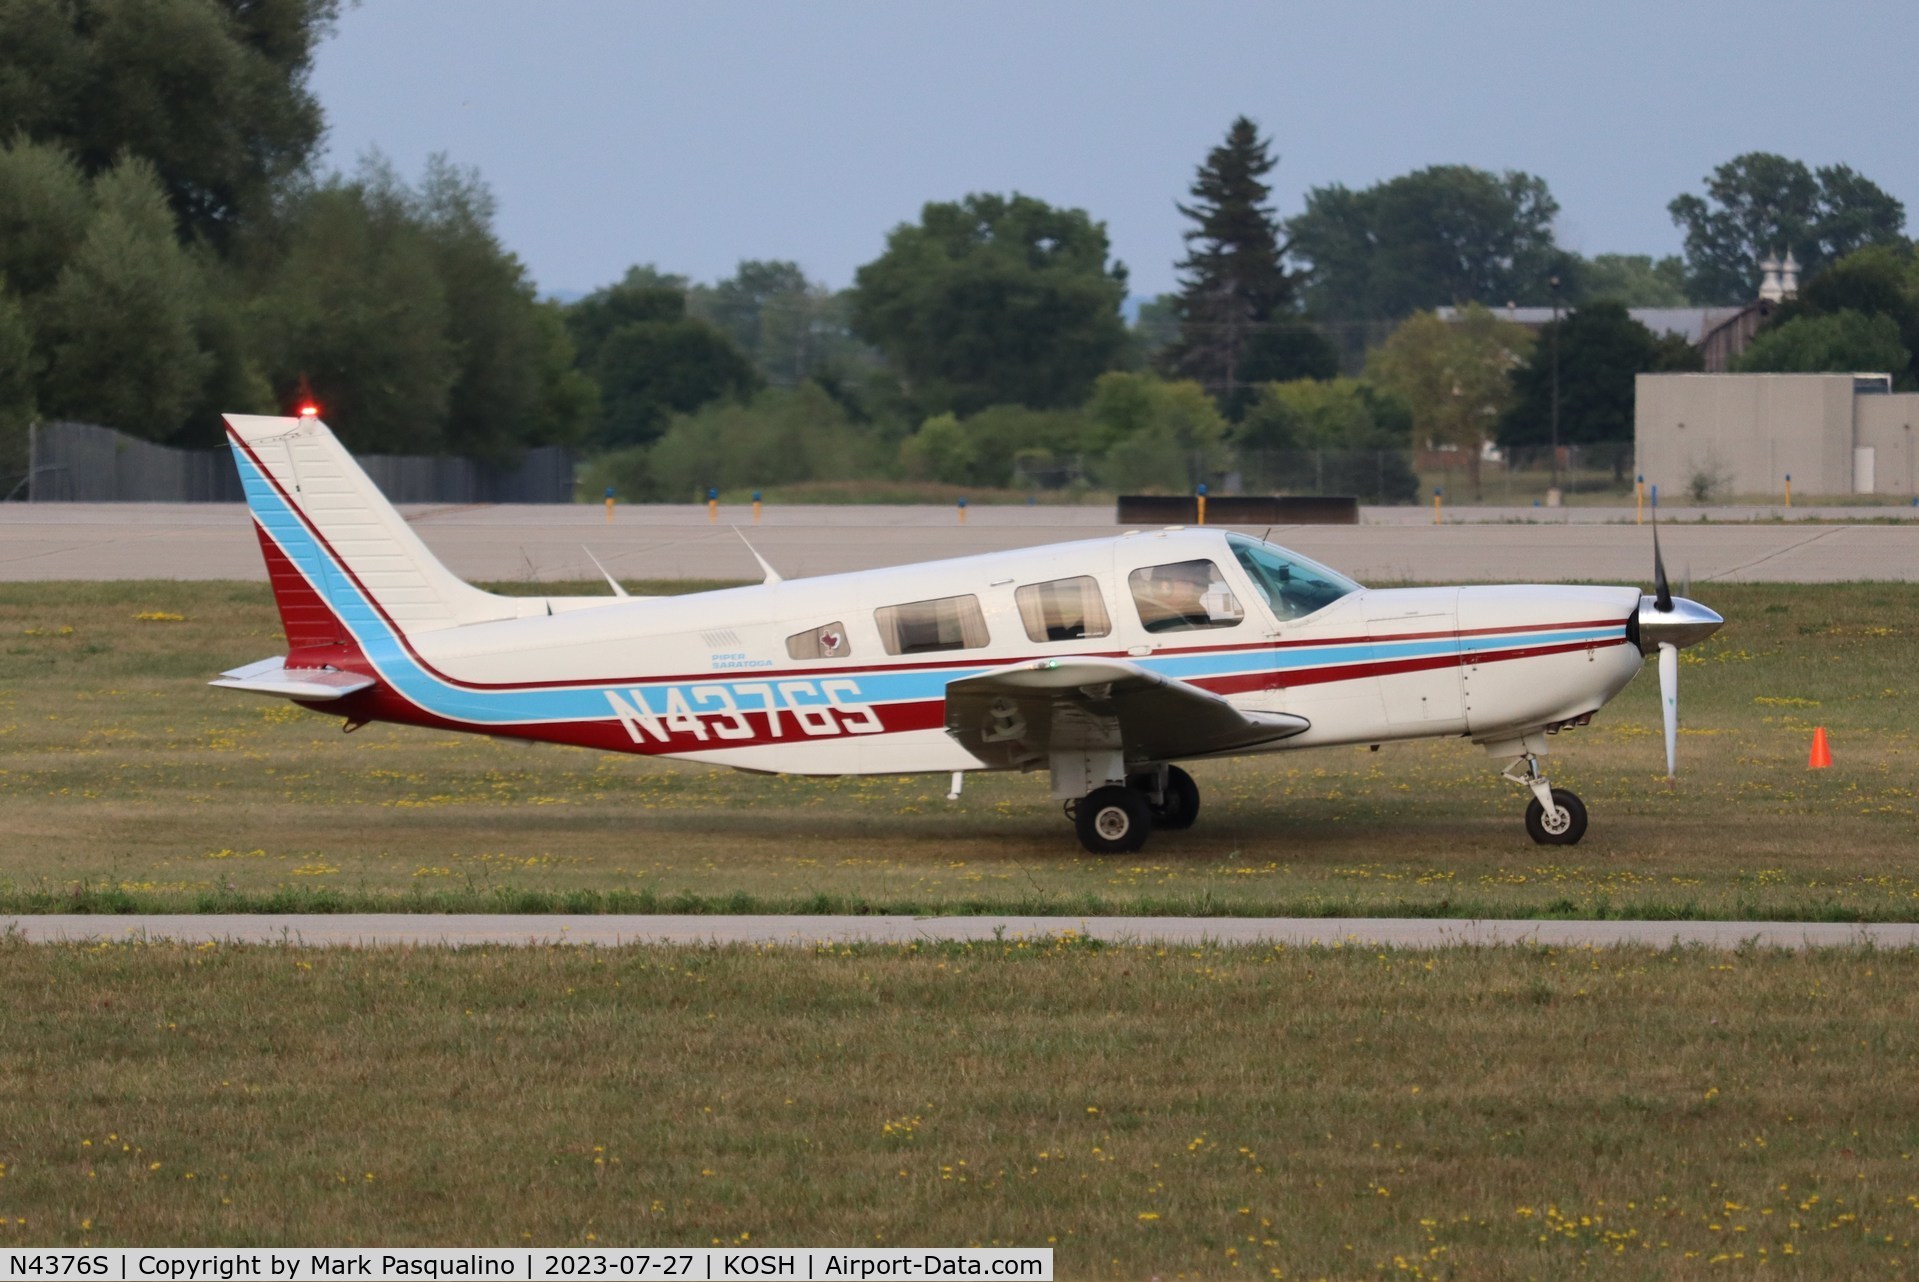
x=1017, y=715
x=272, y=676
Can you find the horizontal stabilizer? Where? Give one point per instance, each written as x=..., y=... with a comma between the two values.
x=272, y=676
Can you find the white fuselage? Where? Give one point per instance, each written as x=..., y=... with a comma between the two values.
x=709, y=677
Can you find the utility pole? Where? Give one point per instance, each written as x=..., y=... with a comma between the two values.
x=1554, y=282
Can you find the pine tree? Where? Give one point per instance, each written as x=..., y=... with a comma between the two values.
x=1231, y=283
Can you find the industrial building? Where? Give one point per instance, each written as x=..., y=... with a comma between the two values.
x=1739, y=436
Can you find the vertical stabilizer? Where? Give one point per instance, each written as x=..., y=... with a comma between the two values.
x=335, y=548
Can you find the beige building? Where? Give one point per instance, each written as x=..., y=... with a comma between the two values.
x=1741, y=435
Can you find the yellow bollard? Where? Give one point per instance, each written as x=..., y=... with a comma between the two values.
x=756, y=507
x=962, y=511
x=609, y=505
x=1200, y=495
x=1639, y=504
x=1789, y=489
x=1437, y=492
x=712, y=506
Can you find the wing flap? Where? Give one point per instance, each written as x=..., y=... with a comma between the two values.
x=1016, y=716
x=272, y=676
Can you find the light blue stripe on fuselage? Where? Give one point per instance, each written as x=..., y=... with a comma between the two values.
x=389, y=656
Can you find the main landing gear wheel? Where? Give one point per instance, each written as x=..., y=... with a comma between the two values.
x=1179, y=800
x=1564, y=827
x=1113, y=820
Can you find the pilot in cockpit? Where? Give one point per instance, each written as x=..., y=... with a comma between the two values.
x=1172, y=598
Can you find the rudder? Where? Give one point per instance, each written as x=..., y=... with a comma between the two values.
x=334, y=547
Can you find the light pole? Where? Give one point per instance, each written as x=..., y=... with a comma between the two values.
x=1554, y=282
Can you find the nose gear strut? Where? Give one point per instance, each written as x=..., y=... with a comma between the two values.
x=1556, y=816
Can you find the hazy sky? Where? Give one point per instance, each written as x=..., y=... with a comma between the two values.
x=694, y=135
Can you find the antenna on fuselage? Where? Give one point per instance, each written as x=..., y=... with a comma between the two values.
x=610, y=580
x=772, y=575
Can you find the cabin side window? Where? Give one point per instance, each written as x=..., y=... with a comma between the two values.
x=922, y=627
x=1063, y=610
x=827, y=642
x=1183, y=597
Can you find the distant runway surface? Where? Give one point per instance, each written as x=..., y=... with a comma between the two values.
x=541, y=544
x=426, y=929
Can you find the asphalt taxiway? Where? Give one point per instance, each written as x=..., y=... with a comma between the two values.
x=97, y=541
x=373, y=930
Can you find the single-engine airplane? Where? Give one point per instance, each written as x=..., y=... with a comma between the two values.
x=1103, y=662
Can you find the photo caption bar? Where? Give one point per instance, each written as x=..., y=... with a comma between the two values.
x=520, y=1264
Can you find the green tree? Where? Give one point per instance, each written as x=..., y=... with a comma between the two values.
x=942, y=450
x=649, y=358
x=504, y=346
x=993, y=300
x=1151, y=434
x=569, y=400
x=779, y=436
x=213, y=93
x=1155, y=329
x=1838, y=343
x=16, y=390
x=353, y=308
x=1279, y=352
x=1602, y=350
x=1232, y=284
x=415, y=329
x=45, y=208
x=649, y=370
x=1454, y=375
x=1636, y=280
x=118, y=328
x=235, y=382
x=1761, y=204
x=643, y=296
x=1330, y=436
x=995, y=442
x=1448, y=234
x=789, y=327
x=1880, y=280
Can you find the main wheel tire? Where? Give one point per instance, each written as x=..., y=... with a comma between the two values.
x=1179, y=803
x=1113, y=820
x=1565, y=828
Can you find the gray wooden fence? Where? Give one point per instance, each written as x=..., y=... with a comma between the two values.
x=80, y=463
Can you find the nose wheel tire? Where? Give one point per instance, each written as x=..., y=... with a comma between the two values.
x=1113, y=820
x=1564, y=827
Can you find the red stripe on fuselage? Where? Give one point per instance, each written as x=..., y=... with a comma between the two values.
x=382, y=704
x=1282, y=678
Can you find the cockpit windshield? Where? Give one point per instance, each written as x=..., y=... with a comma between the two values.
x=1291, y=584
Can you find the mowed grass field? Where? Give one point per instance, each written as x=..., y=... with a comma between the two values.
x=1334, y=1112
x=125, y=782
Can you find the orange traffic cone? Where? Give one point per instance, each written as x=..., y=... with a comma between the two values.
x=1821, y=754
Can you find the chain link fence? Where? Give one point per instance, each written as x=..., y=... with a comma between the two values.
x=82, y=463
x=1505, y=478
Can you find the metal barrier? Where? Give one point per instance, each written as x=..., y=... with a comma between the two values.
x=1239, y=509
x=81, y=463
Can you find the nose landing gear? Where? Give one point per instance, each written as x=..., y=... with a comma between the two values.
x=1555, y=816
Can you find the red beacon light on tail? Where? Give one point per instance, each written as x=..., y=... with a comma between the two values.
x=309, y=410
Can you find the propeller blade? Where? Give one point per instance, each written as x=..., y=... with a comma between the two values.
x=1661, y=592
x=1669, y=703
